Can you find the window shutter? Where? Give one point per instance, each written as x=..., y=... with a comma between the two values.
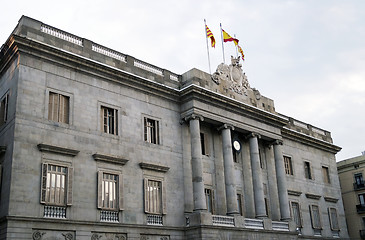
x=120, y=193
x=213, y=201
x=146, y=196
x=164, y=201
x=44, y=182
x=69, y=185
x=64, y=109
x=50, y=106
x=312, y=173
x=157, y=132
x=145, y=129
x=100, y=185
x=116, y=122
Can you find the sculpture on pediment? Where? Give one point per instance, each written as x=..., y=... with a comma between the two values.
x=232, y=75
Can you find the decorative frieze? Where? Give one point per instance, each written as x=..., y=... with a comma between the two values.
x=52, y=234
x=108, y=236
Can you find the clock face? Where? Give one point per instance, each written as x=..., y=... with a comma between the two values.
x=237, y=145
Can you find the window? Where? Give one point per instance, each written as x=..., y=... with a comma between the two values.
x=109, y=120
x=110, y=191
x=359, y=181
x=4, y=103
x=262, y=159
x=209, y=198
x=58, y=107
x=332, y=213
x=315, y=217
x=326, y=175
x=296, y=216
x=239, y=203
x=154, y=197
x=307, y=170
x=288, y=165
x=151, y=131
x=56, y=185
x=362, y=199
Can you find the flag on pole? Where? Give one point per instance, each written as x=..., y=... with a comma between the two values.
x=210, y=35
x=241, y=51
x=228, y=38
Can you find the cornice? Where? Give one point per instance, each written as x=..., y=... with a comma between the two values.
x=93, y=67
x=57, y=149
x=294, y=193
x=313, y=196
x=309, y=140
x=153, y=167
x=330, y=199
x=110, y=158
x=194, y=92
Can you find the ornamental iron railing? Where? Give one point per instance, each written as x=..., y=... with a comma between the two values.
x=54, y=212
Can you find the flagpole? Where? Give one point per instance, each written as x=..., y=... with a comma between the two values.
x=206, y=38
x=236, y=46
x=222, y=43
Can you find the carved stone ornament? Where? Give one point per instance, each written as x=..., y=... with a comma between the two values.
x=68, y=236
x=37, y=235
x=95, y=236
x=232, y=75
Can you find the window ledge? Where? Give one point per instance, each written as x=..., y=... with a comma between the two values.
x=110, y=158
x=313, y=196
x=154, y=167
x=56, y=149
x=330, y=199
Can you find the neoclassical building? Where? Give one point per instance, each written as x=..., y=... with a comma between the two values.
x=96, y=144
x=351, y=174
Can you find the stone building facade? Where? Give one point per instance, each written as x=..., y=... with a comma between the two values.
x=351, y=173
x=96, y=144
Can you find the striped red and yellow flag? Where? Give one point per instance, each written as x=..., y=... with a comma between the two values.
x=210, y=35
x=228, y=38
x=241, y=51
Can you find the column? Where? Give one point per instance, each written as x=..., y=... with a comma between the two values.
x=231, y=195
x=258, y=189
x=196, y=162
x=281, y=180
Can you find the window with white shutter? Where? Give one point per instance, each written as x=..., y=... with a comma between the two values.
x=58, y=107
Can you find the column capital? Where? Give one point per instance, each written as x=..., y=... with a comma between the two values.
x=253, y=135
x=277, y=142
x=192, y=116
x=226, y=126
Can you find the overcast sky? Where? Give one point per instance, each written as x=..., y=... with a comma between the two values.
x=306, y=55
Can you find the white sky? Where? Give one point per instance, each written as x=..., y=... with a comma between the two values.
x=306, y=55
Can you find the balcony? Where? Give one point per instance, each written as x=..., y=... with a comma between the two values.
x=360, y=208
x=359, y=185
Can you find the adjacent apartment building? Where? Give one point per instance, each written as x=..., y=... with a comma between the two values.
x=96, y=144
x=351, y=173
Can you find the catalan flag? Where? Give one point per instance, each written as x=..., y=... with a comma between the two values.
x=241, y=51
x=228, y=38
x=210, y=35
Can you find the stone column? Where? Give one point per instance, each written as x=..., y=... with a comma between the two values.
x=258, y=189
x=231, y=195
x=196, y=162
x=281, y=180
